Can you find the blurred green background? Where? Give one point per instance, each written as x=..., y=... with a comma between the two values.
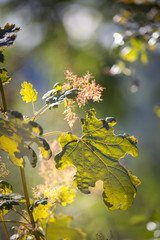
x=78, y=35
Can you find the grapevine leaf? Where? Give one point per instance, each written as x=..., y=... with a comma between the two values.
x=55, y=96
x=5, y=187
x=59, y=229
x=15, y=132
x=5, y=206
x=96, y=156
x=8, y=35
x=29, y=94
x=3, y=76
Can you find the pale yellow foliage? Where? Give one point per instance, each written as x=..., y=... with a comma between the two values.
x=28, y=93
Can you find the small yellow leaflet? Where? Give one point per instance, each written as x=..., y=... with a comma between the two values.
x=28, y=93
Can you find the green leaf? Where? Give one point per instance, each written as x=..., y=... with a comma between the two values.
x=129, y=54
x=144, y=57
x=12, y=196
x=59, y=229
x=5, y=187
x=3, y=76
x=55, y=96
x=15, y=132
x=8, y=35
x=29, y=94
x=96, y=156
x=39, y=201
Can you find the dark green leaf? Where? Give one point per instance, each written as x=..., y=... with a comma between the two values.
x=3, y=76
x=11, y=197
x=37, y=202
x=8, y=35
x=5, y=206
x=55, y=96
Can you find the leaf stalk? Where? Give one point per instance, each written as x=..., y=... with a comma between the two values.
x=3, y=97
x=5, y=226
x=26, y=195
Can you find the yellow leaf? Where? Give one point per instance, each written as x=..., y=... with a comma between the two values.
x=29, y=94
x=129, y=54
x=144, y=57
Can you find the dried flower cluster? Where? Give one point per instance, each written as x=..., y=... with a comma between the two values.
x=3, y=169
x=87, y=89
x=57, y=183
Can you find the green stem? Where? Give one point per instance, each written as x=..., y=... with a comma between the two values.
x=5, y=226
x=40, y=112
x=20, y=215
x=3, y=97
x=13, y=221
x=51, y=133
x=34, y=112
x=26, y=195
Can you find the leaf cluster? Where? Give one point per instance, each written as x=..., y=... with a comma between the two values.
x=15, y=132
x=7, y=37
x=55, y=96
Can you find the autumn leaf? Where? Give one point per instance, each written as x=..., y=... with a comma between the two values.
x=3, y=76
x=15, y=133
x=59, y=229
x=29, y=94
x=96, y=156
x=5, y=187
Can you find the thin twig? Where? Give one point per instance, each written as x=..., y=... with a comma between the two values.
x=3, y=97
x=13, y=221
x=51, y=133
x=23, y=178
x=40, y=112
x=5, y=226
x=20, y=214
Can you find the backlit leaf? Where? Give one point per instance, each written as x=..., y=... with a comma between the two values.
x=41, y=209
x=5, y=206
x=12, y=196
x=8, y=35
x=144, y=57
x=15, y=132
x=129, y=54
x=3, y=76
x=96, y=156
x=59, y=229
x=55, y=96
x=29, y=94
x=5, y=187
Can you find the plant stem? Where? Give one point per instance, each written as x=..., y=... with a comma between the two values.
x=40, y=112
x=34, y=112
x=51, y=133
x=26, y=195
x=3, y=97
x=23, y=178
x=13, y=221
x=20, y=214
x=5, y=226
